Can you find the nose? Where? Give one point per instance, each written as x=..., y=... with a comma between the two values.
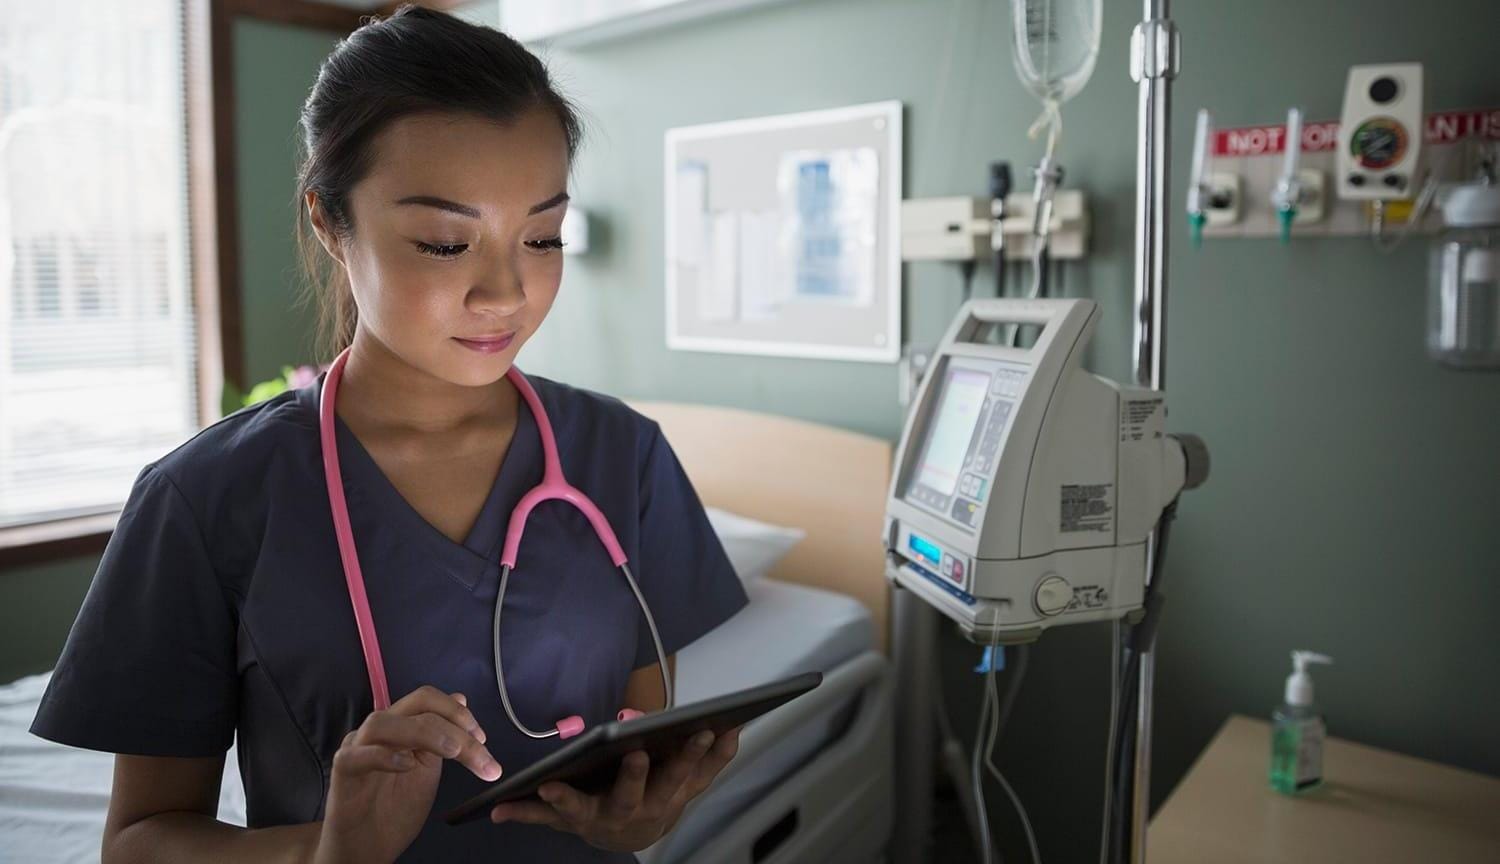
x=500, y=294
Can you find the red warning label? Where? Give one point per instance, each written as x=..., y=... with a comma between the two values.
x=1458, y=125
x=1266, y=140
x=1441, y=128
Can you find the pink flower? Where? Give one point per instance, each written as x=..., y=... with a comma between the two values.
x=301, y=377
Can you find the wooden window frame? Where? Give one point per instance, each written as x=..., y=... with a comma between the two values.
x=213, y=215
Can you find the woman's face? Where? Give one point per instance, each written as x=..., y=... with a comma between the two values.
x=453, y=260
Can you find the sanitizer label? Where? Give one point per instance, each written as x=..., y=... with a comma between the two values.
x=1310, y=754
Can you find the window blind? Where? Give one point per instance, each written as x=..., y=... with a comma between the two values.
x=97, y=346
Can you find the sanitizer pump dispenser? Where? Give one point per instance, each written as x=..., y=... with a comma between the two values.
x=1297, y=731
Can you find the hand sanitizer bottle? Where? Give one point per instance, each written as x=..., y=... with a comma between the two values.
x=1297, y=731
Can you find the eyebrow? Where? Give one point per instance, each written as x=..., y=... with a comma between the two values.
x=472, y=213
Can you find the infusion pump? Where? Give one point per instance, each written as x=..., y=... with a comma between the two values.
x=1025, y=488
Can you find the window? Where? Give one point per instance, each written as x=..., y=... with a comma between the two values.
x=98, y=363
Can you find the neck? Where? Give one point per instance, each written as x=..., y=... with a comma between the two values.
x=380, y=389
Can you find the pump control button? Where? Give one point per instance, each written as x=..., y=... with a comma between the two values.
x=1053, y=595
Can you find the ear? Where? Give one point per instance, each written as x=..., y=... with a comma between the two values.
x=326, y=236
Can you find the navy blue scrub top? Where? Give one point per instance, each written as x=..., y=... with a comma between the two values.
x=220, y=607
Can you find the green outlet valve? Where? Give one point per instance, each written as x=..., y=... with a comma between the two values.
x=1196, y=221
x=1285, y=216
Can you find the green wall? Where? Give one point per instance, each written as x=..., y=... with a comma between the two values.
x=1353, y=499
x=275, y=66
x=37, y=606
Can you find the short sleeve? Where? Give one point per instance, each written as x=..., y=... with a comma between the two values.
x=149, y=666
x=683, y=570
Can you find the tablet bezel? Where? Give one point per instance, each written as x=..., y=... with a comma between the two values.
x=652, y=732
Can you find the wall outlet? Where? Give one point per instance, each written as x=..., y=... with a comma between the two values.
x=1313, y=197
x=1225, y=198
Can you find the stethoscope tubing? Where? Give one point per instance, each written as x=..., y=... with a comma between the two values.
x=553, y=486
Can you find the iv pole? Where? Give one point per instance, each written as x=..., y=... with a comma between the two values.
x=1153, y=64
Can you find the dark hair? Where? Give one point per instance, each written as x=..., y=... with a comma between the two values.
x=416, y=61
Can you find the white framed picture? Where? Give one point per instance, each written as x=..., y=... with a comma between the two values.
x=576, y=23
x=783, y=235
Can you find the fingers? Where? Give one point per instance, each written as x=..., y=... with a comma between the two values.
x=714, y=760
x=728, y=744
x=670, y=779
x=630, y=786
x=528, y=812
x=643, y=803
x=561, y=807
x=573, y=806
x=430, y=733
x=430, y=700
x=371, y=758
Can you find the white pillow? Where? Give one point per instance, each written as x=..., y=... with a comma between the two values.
x=754, y=547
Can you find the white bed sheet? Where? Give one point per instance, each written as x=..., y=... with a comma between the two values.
x=786, y=630
x=53, y=798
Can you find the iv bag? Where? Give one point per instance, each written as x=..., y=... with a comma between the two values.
x=1056, y=43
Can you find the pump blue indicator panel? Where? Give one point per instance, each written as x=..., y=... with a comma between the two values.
x=926, y=549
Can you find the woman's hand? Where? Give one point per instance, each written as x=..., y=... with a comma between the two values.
x=385, y=775
x=642, y=806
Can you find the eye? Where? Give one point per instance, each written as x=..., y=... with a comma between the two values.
x=441, y=250
x=548, y=244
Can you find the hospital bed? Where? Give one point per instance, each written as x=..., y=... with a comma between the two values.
x=813, y=779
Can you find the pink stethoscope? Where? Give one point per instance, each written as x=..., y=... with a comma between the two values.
x=553, y=485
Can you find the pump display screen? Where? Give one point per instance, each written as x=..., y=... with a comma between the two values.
x=953, y=426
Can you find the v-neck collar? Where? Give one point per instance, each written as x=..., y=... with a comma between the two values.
x=467, y=562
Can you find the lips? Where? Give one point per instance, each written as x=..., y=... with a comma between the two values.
x=486, y=344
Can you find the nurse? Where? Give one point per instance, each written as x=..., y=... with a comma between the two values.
x=434, y=182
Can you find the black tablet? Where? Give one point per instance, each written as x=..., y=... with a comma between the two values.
x=590, y=761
